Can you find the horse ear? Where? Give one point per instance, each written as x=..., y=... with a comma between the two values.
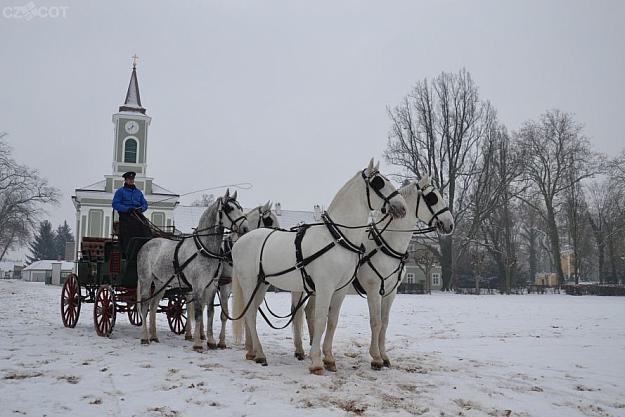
x=369, y=168
x=424, y=181
x=377, y=166
x=227, y=193
x=267, y=205
x=234, y=196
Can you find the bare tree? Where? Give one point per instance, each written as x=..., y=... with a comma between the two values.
x=556, y=158
x=22, y=196
x=437, y=131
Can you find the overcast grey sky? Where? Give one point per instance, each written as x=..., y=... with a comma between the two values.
x=288, y=95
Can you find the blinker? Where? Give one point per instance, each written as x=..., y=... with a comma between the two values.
x=377, y=183
x=430, y=198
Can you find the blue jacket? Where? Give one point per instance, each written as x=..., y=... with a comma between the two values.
x=127, y=198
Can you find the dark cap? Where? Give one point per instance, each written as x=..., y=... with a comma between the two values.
x=129, y=174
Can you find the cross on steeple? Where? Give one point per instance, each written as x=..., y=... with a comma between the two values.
x=133, y=99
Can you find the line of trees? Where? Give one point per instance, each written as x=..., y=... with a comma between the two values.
x=23, y=196
x=520, y=199
x=49, y=243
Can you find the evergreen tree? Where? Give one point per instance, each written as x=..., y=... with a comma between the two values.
x=43, y=246
x=63, y=235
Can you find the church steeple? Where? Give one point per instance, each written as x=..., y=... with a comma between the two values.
x=133, y=99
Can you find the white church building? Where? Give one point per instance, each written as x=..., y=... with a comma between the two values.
x=94, y=214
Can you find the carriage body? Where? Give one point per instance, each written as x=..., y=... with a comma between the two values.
x=108, y=280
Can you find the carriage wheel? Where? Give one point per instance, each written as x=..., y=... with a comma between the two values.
x=70, y=301
x=176, y=312
x=133, y=315
x=104, y=311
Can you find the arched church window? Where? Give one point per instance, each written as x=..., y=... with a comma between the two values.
x=130, y=151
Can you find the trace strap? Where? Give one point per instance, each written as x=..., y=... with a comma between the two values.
x=301, y=261
x=384, y=247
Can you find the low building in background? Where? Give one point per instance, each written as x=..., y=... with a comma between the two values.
x=41, y=271
x=11, y=269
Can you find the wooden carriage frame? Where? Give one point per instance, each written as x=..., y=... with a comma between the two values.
x=109, y=281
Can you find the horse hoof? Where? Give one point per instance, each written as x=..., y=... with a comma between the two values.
x=262, y=361
x=222, y=346
x=198, y=349
x=145, y=341
x=376, y=366
x=299, y=356
x=386, y=363
x=330, y=366
x=154, y=339
x=316, y=370
x=211, y=346
x=202, y=337
x=250, y=356
x=188, y=337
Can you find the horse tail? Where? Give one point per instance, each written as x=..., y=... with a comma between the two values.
x=237, y=310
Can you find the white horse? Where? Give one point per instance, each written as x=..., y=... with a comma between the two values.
x=321, y=258
x=261, y=216
x=382, y=268
x=163, y=263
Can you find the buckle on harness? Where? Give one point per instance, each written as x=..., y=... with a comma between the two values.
x=299, y=265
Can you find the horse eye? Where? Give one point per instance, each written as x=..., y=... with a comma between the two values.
x=430, y=198
x=377, y=183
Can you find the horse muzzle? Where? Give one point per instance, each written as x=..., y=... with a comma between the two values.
x=397, y=211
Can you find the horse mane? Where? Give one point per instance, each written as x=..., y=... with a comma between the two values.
x=209, y=218
x=408, y=190
x=347, y=187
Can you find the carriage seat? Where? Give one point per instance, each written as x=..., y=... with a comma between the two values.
x=92, y=248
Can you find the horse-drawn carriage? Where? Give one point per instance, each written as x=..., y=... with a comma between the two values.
x=109, y=281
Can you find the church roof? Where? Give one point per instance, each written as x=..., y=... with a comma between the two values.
x=133, y=99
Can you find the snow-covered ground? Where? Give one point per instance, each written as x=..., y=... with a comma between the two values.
x=530, y=355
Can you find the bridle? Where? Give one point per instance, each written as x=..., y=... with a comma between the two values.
x=375, y=181
x=226, y=209
x=430, y=199
x=265, y=218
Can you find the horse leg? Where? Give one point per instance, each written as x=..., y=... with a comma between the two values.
x=250, y=320
x=387, y=303
x=310, y=317
x=322, y=305
x=188, y=328
x=143, y=310
x=153, y=307
x=249, y=347
x=204, y=303
x=333, y=317
x=297, y=325
x=374, y=300
x=210, y=313
x=197, y=314
x=224, y=295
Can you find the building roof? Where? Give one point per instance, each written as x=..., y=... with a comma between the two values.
x=187, y=217
x=46, y=265
x=133, y=99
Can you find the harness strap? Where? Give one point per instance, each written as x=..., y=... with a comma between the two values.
x=179, y=268
x=339, y=237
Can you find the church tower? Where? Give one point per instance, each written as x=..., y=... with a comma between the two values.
x=131, y=131
x=94, y=215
